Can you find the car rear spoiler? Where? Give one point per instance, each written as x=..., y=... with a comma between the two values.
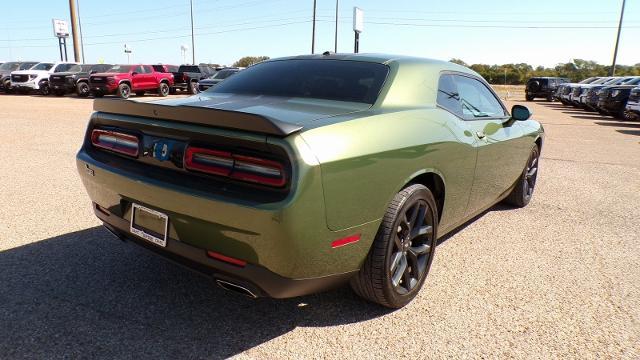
x=198, y=115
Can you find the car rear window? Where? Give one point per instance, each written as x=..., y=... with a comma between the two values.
x=192, y=68
x=341, y=80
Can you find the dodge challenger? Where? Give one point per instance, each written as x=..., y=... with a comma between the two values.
x=303, y=173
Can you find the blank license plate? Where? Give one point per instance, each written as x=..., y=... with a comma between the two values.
x=149, y=224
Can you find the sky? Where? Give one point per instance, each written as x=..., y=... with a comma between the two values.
x=542, y=32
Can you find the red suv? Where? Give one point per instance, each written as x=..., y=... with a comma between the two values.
x=122, y=80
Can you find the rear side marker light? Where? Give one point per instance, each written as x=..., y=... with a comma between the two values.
x=345, y=241
x=227, y=259
x=240, y=167
x=115, y=141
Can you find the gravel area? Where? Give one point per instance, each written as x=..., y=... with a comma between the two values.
x=557, y=279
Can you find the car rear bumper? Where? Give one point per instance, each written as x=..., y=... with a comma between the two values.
x=252, y=280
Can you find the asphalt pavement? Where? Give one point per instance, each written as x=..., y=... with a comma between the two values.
x=557, y=279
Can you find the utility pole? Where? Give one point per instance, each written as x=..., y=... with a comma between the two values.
x=335, y=50
x=615, y=52
x=313, y=30
x=80, y=27
x=193, y=43
x=74, y=30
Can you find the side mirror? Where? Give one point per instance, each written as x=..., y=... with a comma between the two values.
x=520, y=113
x=134, y=73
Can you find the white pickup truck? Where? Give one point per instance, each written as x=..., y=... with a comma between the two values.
x=37, y=78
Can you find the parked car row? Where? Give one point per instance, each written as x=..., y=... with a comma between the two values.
x=617, y=96
x=62, y=78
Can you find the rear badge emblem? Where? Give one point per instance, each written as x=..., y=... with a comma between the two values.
x=162, y=150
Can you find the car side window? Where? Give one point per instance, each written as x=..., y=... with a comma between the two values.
x=139, y=69
x=63, y=67
x=448, y=96
x=147, y=69
x=477, y=100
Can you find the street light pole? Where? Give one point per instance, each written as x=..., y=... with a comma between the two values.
x=336, y=37
x=193, y=44
x=313, y=30
x=615, y=52
x=80, y=27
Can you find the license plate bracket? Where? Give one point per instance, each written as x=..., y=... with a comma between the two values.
x=149, y=224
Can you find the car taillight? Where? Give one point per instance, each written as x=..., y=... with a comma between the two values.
x=115, y=141
x=235, y=166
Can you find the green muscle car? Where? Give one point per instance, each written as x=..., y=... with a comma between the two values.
x=302, y=173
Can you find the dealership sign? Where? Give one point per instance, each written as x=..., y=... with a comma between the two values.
x=60, y=28
x=358, y=20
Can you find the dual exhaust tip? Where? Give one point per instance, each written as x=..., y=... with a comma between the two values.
x=236, y=288
x=222, y=283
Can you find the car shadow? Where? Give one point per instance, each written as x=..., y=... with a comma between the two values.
x=629, y=132
x=86, y=294
x=620, y=124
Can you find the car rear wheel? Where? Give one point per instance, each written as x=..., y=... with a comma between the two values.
x=193, y=87
x=124, y=91
x=163, y=89
x=523, y=192
x=82, y=89
x=401, y=255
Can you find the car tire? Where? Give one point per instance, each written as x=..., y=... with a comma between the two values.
x=7, y=87
x=193, y=88
x=124, y=91
x=82, y=89
x=521, y=195
x=528, y=98
x=45, y=90
x=163, y=89
x=550, y=98
x=411, y=217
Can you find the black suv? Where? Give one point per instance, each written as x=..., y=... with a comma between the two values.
x=76, y=79
x=543, y=87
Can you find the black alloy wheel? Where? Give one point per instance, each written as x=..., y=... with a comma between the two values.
x=82, y=89
x=411, y=248
x=44, y=88
x=522, y=193
x=402, y=252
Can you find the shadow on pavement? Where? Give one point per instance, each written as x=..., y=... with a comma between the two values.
x=629, y=132
x=86, y=294
x=620, y=124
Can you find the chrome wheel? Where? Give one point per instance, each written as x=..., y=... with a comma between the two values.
x=412, y=247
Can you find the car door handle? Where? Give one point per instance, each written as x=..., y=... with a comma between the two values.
x=480, y=134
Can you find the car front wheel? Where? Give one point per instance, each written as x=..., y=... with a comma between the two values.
x=401, y=255
x=82, y=89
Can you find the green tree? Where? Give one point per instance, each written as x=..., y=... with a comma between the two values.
x=249, y=60
x=459, y=62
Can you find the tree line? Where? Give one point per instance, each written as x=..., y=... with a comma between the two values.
x=517, y=74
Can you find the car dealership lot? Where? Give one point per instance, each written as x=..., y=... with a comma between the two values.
x=558, y=278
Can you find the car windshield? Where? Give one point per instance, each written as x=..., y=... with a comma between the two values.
x=588, y=80
x=223, y=74
x=9, y=66
x=42, y=66
x=340, y=80
x=27, y=65
x=120, y=69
